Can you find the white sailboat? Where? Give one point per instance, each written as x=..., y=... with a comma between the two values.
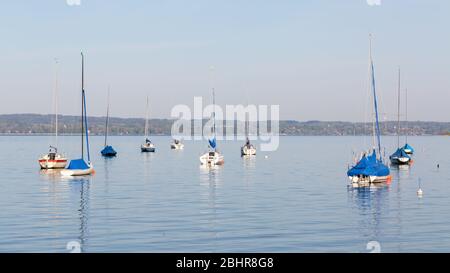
x=79, y=167
x=248, y=149
x=147, y=146
x=213, y=157
x=53, y=159
x=177, y=145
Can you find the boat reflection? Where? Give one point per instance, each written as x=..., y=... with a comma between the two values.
x=53, y=175
x=211, y=179
x=372, y=205
x=79, y=192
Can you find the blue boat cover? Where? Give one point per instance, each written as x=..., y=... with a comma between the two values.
x=78, y=164
x=108, y=150
x=369, y=166
x=212, y=143
x=400, y=153
x=408, y=147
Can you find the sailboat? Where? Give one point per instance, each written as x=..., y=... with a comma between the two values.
x=212, y=157
x=79, y=167
x=407, y=148
x=53, y=159
x=370, y=168
x=147, y=146
x=399, y=157
x=177, y=145
x=248, y=149
x=108, y=150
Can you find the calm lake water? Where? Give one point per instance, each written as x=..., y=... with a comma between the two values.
x=296, y=200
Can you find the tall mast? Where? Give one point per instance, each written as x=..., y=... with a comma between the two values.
x=56, y=103
x=398, y=108
x=406, y=115
x=214, y=112
x=375, y=100
x=370, y=76
x=211, y=69
x=146, y=121
x=82, y=105
x=107, y=119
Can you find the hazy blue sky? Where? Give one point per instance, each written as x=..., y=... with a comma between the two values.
x=309, y=56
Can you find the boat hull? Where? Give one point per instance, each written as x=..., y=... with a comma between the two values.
x=212, y=160
x=109, y=154
x=400, y=160
x=248, y=151
x=179, y=146
x=148, y=149
x=52, y=161
x=145, y=148
x=370, y=179
x=408, y=151
x=67, y=172
x=47, y=164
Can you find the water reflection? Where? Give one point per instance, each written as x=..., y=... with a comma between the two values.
x=53, y=175
x=210, y=180
x=249, y=162
x=79, y=189
x=372, y=204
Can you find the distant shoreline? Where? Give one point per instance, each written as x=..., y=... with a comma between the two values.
x=41, y=125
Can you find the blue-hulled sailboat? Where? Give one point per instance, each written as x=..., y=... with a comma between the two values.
x=79, y=167
x=370, y=168
x=399, y=157
x=108, y=150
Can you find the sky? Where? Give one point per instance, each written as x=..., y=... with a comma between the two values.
x=308, y=56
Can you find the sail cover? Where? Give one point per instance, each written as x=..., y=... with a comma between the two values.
x=408, y=147
x=369, y=166
x=78, y=164
x=212, y=143
x=108, y=150
x=400, y=153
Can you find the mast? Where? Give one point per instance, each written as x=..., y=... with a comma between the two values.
x=370, y=87
x=398, y=108
x=107, y=119
x=214, y=112
x=406, y=114
x=56, y=103
x=377, y=123
x=82, y=105
x=146, y=121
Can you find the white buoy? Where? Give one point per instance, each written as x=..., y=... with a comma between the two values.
x=266, y=157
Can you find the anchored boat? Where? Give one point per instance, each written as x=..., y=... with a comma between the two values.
x=53, y=159
x=79, y=167
x=212, y=157
x=248, y=149
x=370, y=168
x=147, y=146
x=108, y=150
x=177, y=145
x=399, y=157
x=407, y=148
